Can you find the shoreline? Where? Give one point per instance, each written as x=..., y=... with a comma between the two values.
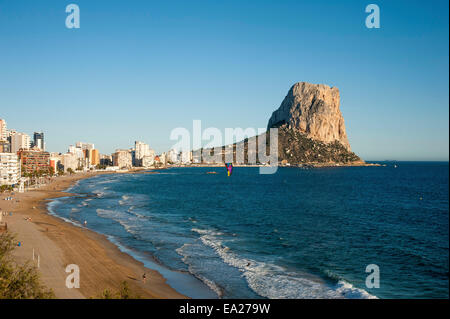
x=302, y=165
x=102, y=264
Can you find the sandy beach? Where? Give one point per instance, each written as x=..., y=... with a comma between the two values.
x=57, y=243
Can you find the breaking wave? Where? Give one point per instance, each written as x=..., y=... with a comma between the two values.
x=275, y=282
x=211, y=284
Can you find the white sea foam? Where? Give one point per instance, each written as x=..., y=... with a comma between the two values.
x=51, y=212
x=106, y=181
x=73, y=222
x=124, y=199
x=126, y=222
x=349, y=291
x=273, y=281
x=106, y=213
x=211, y=284
x=76, y=184
x=206, y=232
x=84, y=203
x=139, y=215
x=128, y=227
x=135, y=199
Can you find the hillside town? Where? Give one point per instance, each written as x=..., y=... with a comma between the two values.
x=25, y=162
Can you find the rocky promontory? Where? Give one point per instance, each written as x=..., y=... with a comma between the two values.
x=311, y=130
x=313, y=110
x=311, y=126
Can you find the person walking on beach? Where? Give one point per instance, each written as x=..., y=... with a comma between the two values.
x=85, y=223
x=144, y=277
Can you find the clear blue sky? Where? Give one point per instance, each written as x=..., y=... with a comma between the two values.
x=137, y=69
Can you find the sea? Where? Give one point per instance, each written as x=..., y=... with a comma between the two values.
x=338, y=232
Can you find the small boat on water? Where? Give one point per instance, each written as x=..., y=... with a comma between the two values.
x=211, y=172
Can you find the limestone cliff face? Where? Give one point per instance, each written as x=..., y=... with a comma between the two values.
x=311, y=129
x=312, y=110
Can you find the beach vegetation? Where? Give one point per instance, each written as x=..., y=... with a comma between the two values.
x=18, y=281
x=6, y=188
x=124, y=292
x=107, y=294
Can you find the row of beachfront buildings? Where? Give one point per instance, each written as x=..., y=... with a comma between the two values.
x=23, y=157
x=20, y=155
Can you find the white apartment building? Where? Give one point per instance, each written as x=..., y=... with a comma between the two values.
x=148, y=161
x=10, y=133
x=83, y=152
x=19, y=141
x=163, y=158
x=172, y=156
x=197, y=156
x=141, y=149
x=79, y=154
x=85, y=146
x=77, y=151
x=143, y=154
x=186, y=157
x=9, y=169
x=3, y=130
x=122, y=159
x=69, y=160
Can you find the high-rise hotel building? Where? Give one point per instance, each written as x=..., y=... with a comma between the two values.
x=143, y=155
x=3, y=130
x=38, y=140
x=9, y=169
x=34, y=161
x=19, y=141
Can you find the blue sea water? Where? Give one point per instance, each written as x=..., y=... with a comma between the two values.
x=299, y=233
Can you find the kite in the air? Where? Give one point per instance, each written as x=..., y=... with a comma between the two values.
x=229, y=167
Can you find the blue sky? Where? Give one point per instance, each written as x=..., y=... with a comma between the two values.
x=137, y=69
